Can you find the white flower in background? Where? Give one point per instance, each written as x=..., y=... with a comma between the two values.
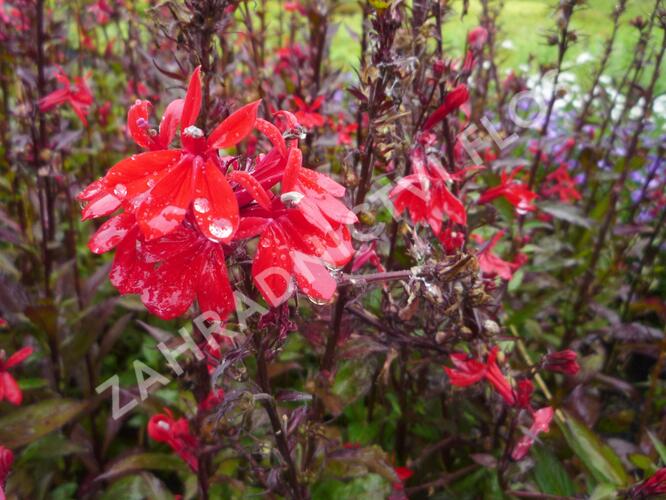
x=486, y=64
x=636, y=111
x=659, y=105
x=605, y=80
x=508, y=45
x=584, y=57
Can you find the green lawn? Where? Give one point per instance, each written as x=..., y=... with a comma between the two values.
x=525, y=24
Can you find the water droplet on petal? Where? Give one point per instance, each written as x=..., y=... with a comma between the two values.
x=201, y=205
x=221, y=228
x=292, y=198
x=193, y=131
x=317, y=301
x=120, y=190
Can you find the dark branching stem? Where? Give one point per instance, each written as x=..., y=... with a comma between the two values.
x=276, y=424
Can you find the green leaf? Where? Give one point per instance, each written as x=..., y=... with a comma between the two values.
x=567, y=213
x=602, y=462
x=659, y=447
x=139, y=487
x=604, y=492
x=143, y=461
x=51, y=446
x=550, y=474
x=30, y=423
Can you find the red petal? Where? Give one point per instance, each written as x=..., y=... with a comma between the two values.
x=183, y=239
x=272, y=267
x=138, y=167
x=235, y=128
x=140, y=111
x=169, y=290
x=192, y=103
x=90, y=191
x=215, y=207
x=18, y=357
x=165, y=207
x=453, y=207
x=320, y=182
x=291, y=170
x=214, y=292
x=454, y=99
x=273, y=134
x=249, y=227
x=252, y=186
x=112, y=232
x=312, y=277
x=335, y=210
x=12, y=392
x=103, y=204
x=129, y=272
x=170, y=122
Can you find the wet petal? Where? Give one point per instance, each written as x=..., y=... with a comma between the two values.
x=249, y=227
x=102, y=204
x=291, y=170
x=320, y=182
x=215, y=207
x=252, y=186
x=214, y=292
x=312, y=277
x=18, y=357
x=272, y=267
x=274, y=135
x=192, y=102
x=111, y=233
x=138, y=167
x=235, y=128
x=129, y=272
x=169, y=290
x=170, y=122
x=137, y=123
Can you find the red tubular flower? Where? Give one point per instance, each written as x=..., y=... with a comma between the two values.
x=163, y=428
x=302, y=232
x=524, y=393
x=562, y=362
x=453, y=100
x=9, y=389
x=493, y=265
x=160, y=185
x=541, y=423
x=468, y=371
x=6, y=461
x=561, y=185
x=307, y=114
x=425, y=194
x=651, y=487
x=515, y=192
x=78, y=96
x=477, y=37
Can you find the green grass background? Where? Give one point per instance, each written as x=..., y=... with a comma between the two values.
x=526, y=23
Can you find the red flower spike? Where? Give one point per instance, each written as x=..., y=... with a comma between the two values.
x=541, y=423
x=453, y=100
x=9, y=389
x=235, y=128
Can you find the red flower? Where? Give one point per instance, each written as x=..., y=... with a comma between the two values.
x=562, y=185
x=302, y=232
x=344, y=130
x=524, y=393
x=160, y=185
x=651, y=487
x=451, y=240
x=78, y=96
x=453, y=100
x=212, y=401
x=367, y=254
x=467, y=371
x=493, y=265
x=562, y=362
x=9, y=389
x=163, y=428
x=6, y=461
x=403, y=473
x=477, y=37
x=307, y=114
x=425, y=194
x=541, y=423
x=516, y=193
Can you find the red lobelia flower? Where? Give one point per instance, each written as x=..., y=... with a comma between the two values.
x=302, y=232
x=78, y=95
x=425, y=195
x=307, y=114
x=562, y=185
x=651, y=487
x=467, y=371
x=562, y=362
x=9, y=389
x=540, y=423
x=515, y=192
x=160, y=185
x=6, y=461
x=453, y=100
x=163, y=428
x=477, y=37
x=493, y=265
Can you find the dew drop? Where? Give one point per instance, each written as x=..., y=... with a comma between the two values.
x=221, y=228
x=120, y=190
x=317, y=301
x=291, y=198
x=202, y=205
x=151, y=183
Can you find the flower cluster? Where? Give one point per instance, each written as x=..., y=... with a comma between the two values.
x=185, y=209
